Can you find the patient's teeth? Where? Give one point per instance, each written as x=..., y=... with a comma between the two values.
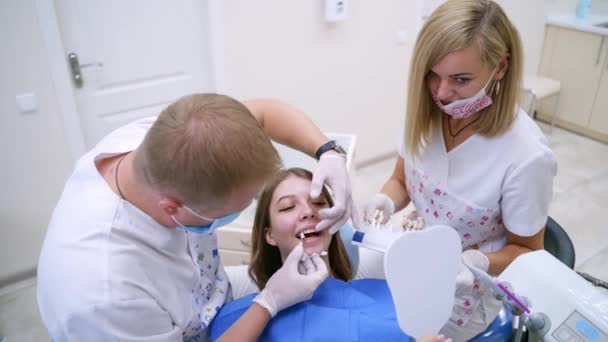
x=302, y=236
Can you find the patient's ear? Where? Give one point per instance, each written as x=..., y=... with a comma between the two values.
x=268, y=236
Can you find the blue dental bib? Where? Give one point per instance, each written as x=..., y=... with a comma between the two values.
x=360, y=310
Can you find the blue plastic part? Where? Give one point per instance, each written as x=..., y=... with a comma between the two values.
x=501, y=329
x=358, y=237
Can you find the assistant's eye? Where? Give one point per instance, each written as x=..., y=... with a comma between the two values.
x=462, y=80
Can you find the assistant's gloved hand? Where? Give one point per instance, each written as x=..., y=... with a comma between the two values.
x=475, y=307
x=331, y=170
x=287, y=286
x=465, y=278
x=380, y=202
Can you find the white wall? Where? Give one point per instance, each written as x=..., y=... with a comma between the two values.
x=529, y=19
x=349, y=76
x=35, y=160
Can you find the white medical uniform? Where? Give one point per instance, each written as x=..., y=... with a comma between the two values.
x=482, y=188
x=109, y=272
x=485, y=185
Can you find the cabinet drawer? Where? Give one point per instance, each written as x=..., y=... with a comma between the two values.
x=233, y=258
x=234, y=239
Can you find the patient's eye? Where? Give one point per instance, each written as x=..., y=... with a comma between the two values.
x=286, y=208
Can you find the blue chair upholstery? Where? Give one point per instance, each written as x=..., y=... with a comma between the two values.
x=498, y=331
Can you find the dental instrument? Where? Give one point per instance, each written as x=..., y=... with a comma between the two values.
x=500, y=290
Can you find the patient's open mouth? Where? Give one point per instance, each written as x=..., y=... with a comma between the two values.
x=307, y=234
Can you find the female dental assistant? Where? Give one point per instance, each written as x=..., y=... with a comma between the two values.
x=130, y=253
x=470, y=158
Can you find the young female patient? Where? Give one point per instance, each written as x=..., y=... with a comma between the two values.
x=339, y=309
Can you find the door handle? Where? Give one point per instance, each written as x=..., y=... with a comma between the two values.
x=76, y=68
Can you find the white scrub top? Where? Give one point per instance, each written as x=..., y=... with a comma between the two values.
x=506, y=180
x=109, y=272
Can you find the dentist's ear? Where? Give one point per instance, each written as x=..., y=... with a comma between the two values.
x=168, y=205
x=268, y=237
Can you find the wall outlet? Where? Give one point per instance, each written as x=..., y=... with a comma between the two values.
x=26, y=103
x=336, y=10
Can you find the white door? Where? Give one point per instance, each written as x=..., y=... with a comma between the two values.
x=135, y=57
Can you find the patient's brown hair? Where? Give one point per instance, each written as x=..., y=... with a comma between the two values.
x=266, y=259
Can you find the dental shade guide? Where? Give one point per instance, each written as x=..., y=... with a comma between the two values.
x=377, y=236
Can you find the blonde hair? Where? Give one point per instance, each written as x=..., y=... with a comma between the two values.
x=205, y=146
x=455, y=25
x=266, y=259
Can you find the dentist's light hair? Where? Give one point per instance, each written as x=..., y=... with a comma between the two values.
x=204, y=147
x=266, y=259
x=452, y=26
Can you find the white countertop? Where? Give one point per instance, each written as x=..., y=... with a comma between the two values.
x=586, y=25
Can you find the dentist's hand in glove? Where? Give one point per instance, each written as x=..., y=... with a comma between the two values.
x=287, y=286
x=380, y=202
x=331, y=170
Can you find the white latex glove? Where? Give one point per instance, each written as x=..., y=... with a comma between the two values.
x=331, y=170
x=380, y=202
x=287, y=286
x=474, y=308
x=465, y=279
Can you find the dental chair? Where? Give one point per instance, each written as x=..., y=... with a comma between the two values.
x=558, y=243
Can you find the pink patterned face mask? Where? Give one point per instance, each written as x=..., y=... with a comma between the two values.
x=463, y=108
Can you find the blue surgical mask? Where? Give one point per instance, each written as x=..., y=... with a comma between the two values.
x=206, y=228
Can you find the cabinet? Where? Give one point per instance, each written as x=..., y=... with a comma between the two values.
x=599, y=114
x=579, y=61
x=234, y=245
